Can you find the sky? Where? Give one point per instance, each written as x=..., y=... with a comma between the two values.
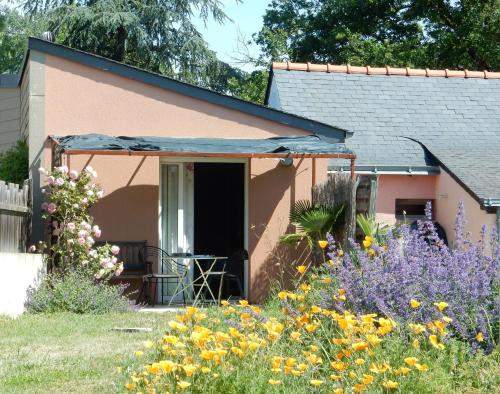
x=223, y=39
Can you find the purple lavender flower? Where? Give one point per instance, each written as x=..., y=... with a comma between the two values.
x=417, y=265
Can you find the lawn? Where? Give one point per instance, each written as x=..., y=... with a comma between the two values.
x=65, y=353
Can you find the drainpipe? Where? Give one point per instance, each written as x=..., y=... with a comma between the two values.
x=498, y=223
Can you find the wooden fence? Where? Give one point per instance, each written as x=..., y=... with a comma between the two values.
x=13, y=217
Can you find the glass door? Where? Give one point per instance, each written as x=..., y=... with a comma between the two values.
x=176, y=221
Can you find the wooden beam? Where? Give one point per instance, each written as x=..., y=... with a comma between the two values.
x=210, y=154
x=313, y=169
x=353, y=171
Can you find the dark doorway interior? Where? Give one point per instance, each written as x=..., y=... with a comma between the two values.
x=219, y=206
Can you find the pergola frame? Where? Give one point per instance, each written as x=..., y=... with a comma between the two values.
x=102, y=152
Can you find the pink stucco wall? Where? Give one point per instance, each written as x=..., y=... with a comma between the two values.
x=448, y=195
x=392, y=187
x=80, y=99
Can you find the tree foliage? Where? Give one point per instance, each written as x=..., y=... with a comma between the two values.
x=419, y=33
x=157, y=35
x=14, y=32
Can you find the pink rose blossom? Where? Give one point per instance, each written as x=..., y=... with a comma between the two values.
x=32, y=248
x=82, y=233
x=51, y=208
x=90, y=240
x=59, y=181
x=71, y=226
x=119, y=270
x=50, y=180
x=115, y=250
x=73, y=174
x=85, y=201
x=64, y=169
x=86, y=226
x=81, y=241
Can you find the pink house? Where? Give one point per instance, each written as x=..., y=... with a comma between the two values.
x=213, y=177
x=419, y=135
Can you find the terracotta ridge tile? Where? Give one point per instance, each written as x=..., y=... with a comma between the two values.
x=387, y=70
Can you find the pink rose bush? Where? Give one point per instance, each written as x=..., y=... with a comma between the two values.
x=73, y=234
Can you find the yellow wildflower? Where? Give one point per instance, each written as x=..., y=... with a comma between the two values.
x=224, y=303
x=373, y=339
x=359, y=346
x=315, y=309
x=480, y=337
x=390, y=384
x=358, y=388
x=316, y=382
x=323, y=244
x=417, y=328
x=205, y=369
x=130, y=386
x=335, y=378
x=282, y=295
x=433, y=339
x=402, y=371
x=367, y=241
x=359, y=361
x=422, y=367
x=447, y=319
x=367, y=379
x=139, y=353
x=243, y=303
x=301, y=269
x=327, y=280
x=416, y=344
x=338, y=365
x=411, y=361
x=441, y=305
x=274, y=382
x=414, y=303
x=295, y=335
x=183, y=384
x=338, y=391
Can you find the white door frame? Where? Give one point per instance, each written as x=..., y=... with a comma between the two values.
x=181, y=232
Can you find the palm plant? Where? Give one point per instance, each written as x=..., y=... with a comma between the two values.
x=371, y=228
x=313, y=222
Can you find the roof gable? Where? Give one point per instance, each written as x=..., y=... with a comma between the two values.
x=335, y=134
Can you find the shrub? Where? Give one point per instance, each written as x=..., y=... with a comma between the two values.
x=70, y=195
x=78, y=293
x=417, y=269
x=14, y=163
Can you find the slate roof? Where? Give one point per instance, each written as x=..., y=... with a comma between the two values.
x=392, y=114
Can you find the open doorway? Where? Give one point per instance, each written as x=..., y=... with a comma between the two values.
x=219, y=219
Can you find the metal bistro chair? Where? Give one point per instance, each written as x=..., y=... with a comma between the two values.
x=171, y=271
x=226, y=277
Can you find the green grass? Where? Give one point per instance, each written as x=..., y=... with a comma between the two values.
x=67, y=353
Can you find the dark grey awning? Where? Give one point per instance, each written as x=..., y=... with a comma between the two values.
x=289, y=146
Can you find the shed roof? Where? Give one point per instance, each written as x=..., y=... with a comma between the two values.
x=289, y=146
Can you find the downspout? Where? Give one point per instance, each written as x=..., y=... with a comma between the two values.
x=498, y=223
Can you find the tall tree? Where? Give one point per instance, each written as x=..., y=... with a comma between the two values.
x=157, y=35
x=14, y=32
x=419, y=33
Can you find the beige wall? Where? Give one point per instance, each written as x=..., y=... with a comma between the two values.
x=392, y=187
x=10, y=114
x=79, y=99
x=448, y=194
